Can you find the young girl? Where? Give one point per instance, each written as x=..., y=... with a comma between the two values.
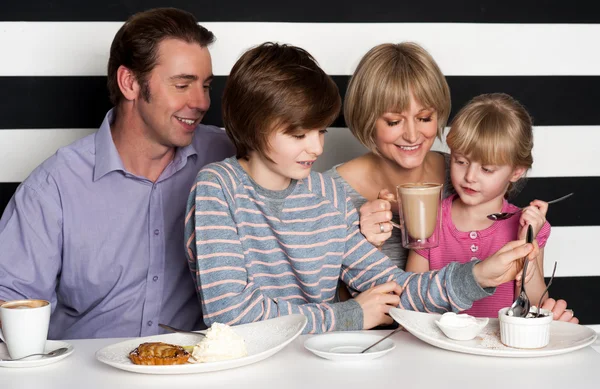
x=490, y=142
x=268, y=237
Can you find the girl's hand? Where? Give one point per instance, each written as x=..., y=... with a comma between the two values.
x=534, y=215
x=375, y=216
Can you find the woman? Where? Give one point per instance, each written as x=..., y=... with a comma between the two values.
x=397, y=103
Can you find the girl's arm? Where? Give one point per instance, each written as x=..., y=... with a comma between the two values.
x=536, y=285
x=416, y=263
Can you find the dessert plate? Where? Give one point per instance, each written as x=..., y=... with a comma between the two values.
x=50, y=345
x=347, y=346
x=263, y=339
x=564, y=337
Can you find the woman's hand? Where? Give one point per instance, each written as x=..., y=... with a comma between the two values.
x=560, y=311
x=376, y=303
x=534, y=215
x=375, y=216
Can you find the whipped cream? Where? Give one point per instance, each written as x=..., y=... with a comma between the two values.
x=451, y=319
x=221, y=343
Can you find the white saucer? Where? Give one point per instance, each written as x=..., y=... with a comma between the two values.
x=50, y=345
x=347, y=346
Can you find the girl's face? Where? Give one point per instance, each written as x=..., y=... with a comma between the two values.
x=478, y=184
x=293, y=156
x=406, y=137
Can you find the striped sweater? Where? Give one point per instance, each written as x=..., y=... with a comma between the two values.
x=252, y=263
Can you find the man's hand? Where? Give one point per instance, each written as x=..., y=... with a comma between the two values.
x=376, y=303
x=375, y=216
x=506, y=265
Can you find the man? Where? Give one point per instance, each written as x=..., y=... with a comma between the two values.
x=97, y=229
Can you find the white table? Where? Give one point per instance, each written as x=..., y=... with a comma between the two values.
x=413, y=364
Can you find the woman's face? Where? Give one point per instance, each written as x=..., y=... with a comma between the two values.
x=406, y=137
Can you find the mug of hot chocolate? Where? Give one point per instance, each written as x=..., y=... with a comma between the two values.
x=419, y=208
x=25, y=326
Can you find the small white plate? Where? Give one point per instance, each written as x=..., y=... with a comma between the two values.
x=347, y=346
x=263, y=339
x=564, y=337
x=50, y=345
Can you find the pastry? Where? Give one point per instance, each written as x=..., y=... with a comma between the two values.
x=158, y=353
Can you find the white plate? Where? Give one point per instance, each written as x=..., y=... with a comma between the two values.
x=346, y=346
x=50, y=345
x=263, y=339
x=564, y=337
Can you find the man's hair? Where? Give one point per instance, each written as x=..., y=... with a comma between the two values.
x=276, y=87
x=135, y=45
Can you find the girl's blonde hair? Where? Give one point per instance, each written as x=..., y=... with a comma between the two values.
x=383, y=82
x=493, y=129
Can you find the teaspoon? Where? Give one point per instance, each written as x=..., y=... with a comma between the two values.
x=53, y=353
x=506, y=215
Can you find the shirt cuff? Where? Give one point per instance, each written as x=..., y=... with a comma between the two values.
x=463, y=286
x=348, y=316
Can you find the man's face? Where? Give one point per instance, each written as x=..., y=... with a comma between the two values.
x=179, y=96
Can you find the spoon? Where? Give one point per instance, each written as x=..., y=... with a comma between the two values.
x=506, y=215
x=520, y=308
x=382, y=339
x=173, y=329
x=53, y=353
x=539, y=311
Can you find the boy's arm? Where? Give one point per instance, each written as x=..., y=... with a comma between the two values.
x=219, y=266
x=452, y=288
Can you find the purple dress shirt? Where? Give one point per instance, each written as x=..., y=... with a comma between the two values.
x=104, y=246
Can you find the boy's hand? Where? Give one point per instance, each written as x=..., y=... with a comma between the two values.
x=376, y=303
x=506, y=265
x=534, y=215
x=374, y=218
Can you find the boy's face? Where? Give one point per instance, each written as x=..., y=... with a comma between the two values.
x=478, y=184
x=292, y=154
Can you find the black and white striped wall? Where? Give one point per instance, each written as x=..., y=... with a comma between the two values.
x=53, y=58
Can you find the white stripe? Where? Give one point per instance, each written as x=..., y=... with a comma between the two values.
x=559, y=151
x=81, y=48
x=573, y=249
x=22, y=150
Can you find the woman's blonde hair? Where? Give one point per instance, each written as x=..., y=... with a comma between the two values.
x=493, y=129
x=383, y=82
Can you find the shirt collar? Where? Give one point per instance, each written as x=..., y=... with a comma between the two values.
x=108, y=158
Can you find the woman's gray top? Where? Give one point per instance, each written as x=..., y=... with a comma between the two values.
x=393, y=246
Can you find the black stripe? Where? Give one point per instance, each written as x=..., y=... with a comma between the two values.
x=469, y=11
x=81, y=102
x=580, y=293
x=582, y=209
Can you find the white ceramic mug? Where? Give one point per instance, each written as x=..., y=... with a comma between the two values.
x=24, y=326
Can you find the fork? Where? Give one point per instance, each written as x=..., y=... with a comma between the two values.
x=539, y=306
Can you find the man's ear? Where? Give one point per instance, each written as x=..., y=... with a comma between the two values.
x=128, y=84
x=518, y=173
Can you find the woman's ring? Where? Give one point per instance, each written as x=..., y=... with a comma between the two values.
x=381, y=228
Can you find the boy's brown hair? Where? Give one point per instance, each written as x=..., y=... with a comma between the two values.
x=135, y=45
x=276, y=87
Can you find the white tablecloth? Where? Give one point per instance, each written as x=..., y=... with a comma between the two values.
x=412, y=364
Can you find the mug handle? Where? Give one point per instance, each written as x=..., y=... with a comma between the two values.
x=1, y=335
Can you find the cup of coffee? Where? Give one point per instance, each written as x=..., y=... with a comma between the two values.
x=24, y=326
x=420, y=213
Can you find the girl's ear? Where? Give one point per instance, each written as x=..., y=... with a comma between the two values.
x=517, y=173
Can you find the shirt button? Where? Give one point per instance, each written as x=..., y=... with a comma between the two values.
x=155, y=278
x=149, y=323
x=155, y=232
x=474, y=248
x=474, y=258
x=473, y=235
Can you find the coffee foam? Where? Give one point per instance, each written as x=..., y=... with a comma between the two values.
x=24, y=304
